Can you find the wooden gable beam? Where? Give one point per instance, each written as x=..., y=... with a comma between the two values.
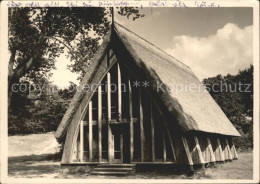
x=164, y=145
x=152, y=133
x=99, y=123
x=81, y=142
x=120, y=108
x=234, y=149
x=131, y=119
x=121, y=147
x=202, y=161
x=187, y=150
x=222, y=157
x=119, y=92
x=78, y=150
x=90, y=139
x=108, y=96
x=141, y=124
x=110, y=135
x=230, y=156
x=171, y=141
x=212, y=155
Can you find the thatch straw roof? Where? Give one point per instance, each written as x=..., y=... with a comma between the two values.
x=195, y=109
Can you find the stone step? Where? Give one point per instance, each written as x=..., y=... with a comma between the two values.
x=113, y=169
x=116, y=165
x=112, y=173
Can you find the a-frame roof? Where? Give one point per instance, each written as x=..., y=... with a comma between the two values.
x=181, y=92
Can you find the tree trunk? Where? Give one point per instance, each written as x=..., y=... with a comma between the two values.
x=24, y=67
x=11, y=79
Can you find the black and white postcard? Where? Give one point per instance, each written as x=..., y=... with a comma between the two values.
x=129, y=91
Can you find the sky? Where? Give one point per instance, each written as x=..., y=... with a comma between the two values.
x=210, y=41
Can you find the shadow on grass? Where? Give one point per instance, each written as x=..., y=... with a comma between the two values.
x=24, y=169
x=34, y=165
x=45, y=157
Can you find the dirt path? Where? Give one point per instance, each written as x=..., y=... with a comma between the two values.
x=238, y=169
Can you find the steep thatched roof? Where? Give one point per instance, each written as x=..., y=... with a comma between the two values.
x=195, y=108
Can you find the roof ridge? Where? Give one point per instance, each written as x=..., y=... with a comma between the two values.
x=151, y=44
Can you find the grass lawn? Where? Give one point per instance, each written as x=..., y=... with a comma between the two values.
x=26, y=164
x=32, y=144
x=238, y=169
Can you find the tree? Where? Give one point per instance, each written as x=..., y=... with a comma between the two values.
x=38, y=35
x=234, y=95
x=41, y=110
x=246, y=77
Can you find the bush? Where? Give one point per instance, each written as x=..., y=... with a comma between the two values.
x=245, y=142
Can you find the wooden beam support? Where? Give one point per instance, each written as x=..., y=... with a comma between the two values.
x=230, y=156
x=90, y=138
x=99, y=123
x=220, y=150
x=122, y=147
x=235, y=151
x=225, y=153
x=81, y=142
x=187, y=150
x=131, y=118
x=119, y=92
x=78, y=149
x=202, y=161
x=171, y=141
x=164, y=146
x=109, y=133
x=109, y=96
x=212, y=155
x=152, y=133
x=141, y=124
